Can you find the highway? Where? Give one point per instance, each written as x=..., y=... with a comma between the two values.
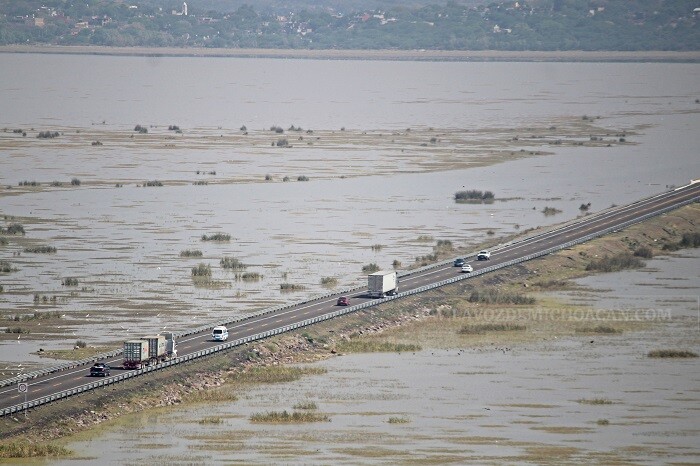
x=50, y=384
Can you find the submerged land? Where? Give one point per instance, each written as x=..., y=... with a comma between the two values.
x=509, y=310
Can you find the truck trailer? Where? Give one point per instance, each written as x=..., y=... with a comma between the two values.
x=382, y=283
x=149, y=350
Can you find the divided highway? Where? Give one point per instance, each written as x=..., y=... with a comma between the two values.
x=60, y=383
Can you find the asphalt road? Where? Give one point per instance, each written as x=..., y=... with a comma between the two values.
x=71, y=378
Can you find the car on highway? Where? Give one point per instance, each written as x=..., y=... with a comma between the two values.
x=483, y=256
x=459, y=262
x=99, y=369
x=343, y=301
x=219, y=333
x=467, y=268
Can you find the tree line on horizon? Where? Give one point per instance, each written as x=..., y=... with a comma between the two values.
x=540, y=25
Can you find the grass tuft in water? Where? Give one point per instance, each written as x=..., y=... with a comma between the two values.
x=24, y=449
x=483, y=328
x=594, y=401
x=398, y=420
x=283, y=417
x=368, y=346
x=672, y=353
x=306, y=405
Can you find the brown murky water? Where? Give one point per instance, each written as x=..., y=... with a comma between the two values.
x=414, y=134
x=592, y=399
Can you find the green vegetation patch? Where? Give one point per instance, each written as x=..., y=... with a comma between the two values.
x=31, y=450
x=671, y=353
x=211, y=420
x=688, y=240
x=551, y=211
x=600, y=329
x=41, y=249
x=306, y=405
x=483, y=328
x=283, y=417
x=191, y=253
x=474, y=196
x=594, y=401
x=329, y=281
x=370, y=268
x=6, y=267
x=231, y=263
x=495, y=296
x=217, y=237
x=202, y=270
x=249, y=276
x=357, y=345
x=398, y=420
x=615, y=263
x=291, y=287
x=274, y=374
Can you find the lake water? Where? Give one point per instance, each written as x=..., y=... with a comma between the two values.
x=531, y=404
x=123, y=244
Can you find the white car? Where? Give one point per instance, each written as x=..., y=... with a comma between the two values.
x=483, y=256
x=219, y=333
x=467, y=268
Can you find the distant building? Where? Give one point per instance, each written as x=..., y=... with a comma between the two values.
x=39, y=22
x=182, y=12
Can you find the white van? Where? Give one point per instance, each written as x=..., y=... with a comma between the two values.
x=220, y=333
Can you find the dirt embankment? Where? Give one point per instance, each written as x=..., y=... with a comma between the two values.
x=432, y=319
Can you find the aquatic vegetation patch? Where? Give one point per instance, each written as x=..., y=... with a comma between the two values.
x=283, y=417
x=615, y=263
x=483, y=328
x=600, y=329
x=273, y=374
x=358, y=345
x=24, y=449
x=672, y=353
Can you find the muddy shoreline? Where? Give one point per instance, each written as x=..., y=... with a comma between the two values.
x=407, y=55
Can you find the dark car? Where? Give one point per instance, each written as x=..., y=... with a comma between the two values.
x=459, y=262
x=99, y=369
x=343, y=301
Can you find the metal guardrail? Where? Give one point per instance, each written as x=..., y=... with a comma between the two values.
x=287, y=328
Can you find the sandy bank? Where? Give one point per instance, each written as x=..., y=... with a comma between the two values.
x=409, y=55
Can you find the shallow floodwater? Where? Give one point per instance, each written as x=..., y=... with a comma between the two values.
x=529, y=404
x=123, y=243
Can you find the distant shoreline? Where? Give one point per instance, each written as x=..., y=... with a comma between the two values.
x=401, y=55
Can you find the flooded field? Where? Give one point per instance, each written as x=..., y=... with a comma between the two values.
x=374, y=154
x=593, y=398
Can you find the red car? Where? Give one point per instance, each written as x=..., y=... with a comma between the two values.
x=343, y=301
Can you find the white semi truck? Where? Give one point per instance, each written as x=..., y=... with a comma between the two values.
x=382, y=283
x=149, y=350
